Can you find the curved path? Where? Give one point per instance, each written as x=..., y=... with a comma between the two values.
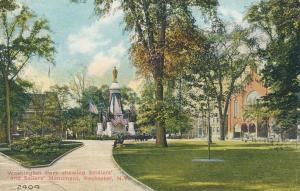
x=88, y=168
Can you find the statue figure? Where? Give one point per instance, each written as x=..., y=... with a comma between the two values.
x=132, y=113
x=115, y=74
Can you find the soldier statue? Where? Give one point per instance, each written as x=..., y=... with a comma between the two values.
x=115, y=74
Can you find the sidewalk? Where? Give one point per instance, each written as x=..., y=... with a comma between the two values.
x=89, y=168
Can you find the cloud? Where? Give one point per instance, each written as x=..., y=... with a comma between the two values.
x=39, y=78
x=89, y=38
x=101, y=64
x=233, y=15
x=136, y=85
x=105, y=60
x=118, y=50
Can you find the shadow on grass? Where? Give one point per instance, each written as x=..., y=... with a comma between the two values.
x=246, y=167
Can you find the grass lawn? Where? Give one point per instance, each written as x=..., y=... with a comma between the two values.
x=247, y=166
x=28, y=159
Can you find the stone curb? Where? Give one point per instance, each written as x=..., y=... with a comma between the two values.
x=137, y=182
x=45, y=165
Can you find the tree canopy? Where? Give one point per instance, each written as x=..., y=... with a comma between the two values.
x=24, y=36
x=279, y=22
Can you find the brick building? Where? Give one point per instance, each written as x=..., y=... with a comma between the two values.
x=250, y=95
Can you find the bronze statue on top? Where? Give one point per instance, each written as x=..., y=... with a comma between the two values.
x=115, y=74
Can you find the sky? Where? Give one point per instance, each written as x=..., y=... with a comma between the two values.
x=86, y=43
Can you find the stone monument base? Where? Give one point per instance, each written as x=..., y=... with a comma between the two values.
x=131, y=130
x=99, y=128
x=108, y=130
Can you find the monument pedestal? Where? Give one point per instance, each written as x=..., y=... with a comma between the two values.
x=131, y=130
x=99, y=128
x=108, y=131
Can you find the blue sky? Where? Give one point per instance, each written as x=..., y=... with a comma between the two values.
x=85, y=43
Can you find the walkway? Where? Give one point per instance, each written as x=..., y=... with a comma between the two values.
x=89, y=168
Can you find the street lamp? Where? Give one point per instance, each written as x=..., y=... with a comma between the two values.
x=258, y=115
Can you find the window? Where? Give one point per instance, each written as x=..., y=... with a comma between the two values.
x=252, y=97
x=235, y=108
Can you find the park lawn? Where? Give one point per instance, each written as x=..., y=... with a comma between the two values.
x=247, y=166
x=30, y=160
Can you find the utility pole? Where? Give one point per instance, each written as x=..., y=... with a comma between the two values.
x=209, y=128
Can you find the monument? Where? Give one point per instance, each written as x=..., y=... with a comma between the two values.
x=116, y=122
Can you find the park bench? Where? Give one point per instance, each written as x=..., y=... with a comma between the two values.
x=119, y=140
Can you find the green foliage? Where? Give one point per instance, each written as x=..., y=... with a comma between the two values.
x=19, y=101
x=63, y=95
x=102, y=137
x=146, y=106
x=24, y=36
x=37, y=145
x=44, y=117
x=97, y=95
x=174, y=118
x=129, y=97
x=20, y=98
x=220, y=71
x=257, y=112
x=7, y=5
x=82, y=125
x=279, y=22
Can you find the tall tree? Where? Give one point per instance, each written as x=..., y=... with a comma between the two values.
x=200, y=100
x=146, y=110
x=24, y=36
x=78, y=85
x=150, y=20
x=129, y=97
x=221, y=68
x=19, y=101
x=63, y=98
x=279, y=24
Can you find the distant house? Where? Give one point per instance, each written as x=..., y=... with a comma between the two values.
x=42, y=115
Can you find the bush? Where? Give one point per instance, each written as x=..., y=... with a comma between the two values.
x=102, y=137
x=37, y=145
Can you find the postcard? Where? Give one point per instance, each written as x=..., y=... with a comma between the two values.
x=164, y=95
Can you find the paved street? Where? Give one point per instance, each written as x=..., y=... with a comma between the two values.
x=88, y=168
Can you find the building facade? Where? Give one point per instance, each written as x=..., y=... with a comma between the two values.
x=250, y=95
x=236, y=121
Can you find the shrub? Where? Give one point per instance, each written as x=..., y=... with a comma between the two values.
x=102, y=137
x=37, y=145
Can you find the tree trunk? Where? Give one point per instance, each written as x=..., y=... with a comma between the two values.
x=222, y=128
x=158, y=59
x=161, y=140
x=224, y=116
x=7, y=108
x=221, y=120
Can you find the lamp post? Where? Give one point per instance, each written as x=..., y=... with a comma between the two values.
x=297, y=135
x=258, y=115
x=209, y=128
